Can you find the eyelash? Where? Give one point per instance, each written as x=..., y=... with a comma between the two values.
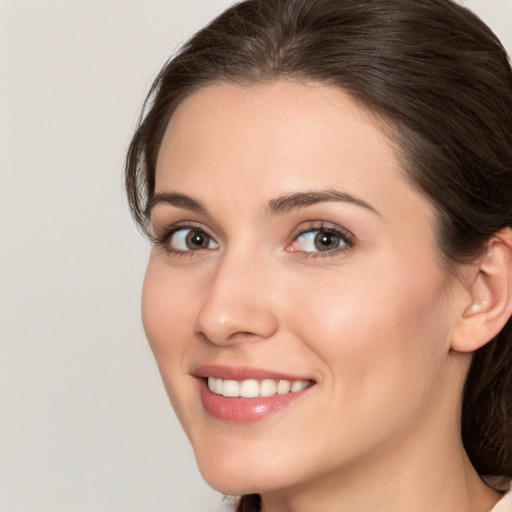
x=346, y=237
x=163, y=238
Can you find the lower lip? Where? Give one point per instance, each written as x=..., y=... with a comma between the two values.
x=245, y=410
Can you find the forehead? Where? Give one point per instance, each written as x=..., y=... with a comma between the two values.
x=279, y=137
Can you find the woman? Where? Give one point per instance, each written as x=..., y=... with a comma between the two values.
x=328, y=187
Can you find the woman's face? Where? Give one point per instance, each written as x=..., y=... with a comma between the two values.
x=293, y=252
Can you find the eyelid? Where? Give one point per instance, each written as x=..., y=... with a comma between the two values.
x=168, y=231
x=313, y=225
x=348, y=238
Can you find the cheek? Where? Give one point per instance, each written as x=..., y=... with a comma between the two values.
x=376, y=332
x=166, y=316
x=167, y=309
x=381, y=343
x=158, y=312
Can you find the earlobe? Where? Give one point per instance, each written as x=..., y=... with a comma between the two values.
x=490, y=292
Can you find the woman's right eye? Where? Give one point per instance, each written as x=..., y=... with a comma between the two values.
x=190, y=239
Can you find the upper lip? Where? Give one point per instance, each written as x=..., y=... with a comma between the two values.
x=243, y=373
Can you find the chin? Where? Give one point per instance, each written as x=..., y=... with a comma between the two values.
x=242, y=474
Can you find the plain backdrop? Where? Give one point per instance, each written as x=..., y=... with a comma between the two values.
x=85, y=425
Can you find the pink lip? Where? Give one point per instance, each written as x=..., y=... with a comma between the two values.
x=243, y=410
x=242, y=373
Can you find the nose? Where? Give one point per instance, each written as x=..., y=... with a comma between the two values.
x=238, y=303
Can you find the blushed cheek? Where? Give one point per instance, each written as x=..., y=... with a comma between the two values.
x=370, y=327
x=160, y=311
x=153, y=318
x=163, y=320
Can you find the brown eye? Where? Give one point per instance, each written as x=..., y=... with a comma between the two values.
x=197, y=240
x=188, y=239
x=320, y=240
x=325, y=241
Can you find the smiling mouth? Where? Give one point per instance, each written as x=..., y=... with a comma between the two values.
x=252, y=388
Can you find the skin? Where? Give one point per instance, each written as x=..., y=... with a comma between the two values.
x=371, y=324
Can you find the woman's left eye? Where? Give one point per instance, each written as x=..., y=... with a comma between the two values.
x=320, y=240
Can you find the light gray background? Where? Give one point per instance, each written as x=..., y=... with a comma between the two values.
x=85, y=425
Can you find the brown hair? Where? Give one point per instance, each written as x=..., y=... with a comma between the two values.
x=436, y=74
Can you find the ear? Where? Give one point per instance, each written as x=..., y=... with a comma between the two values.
x=490, y=296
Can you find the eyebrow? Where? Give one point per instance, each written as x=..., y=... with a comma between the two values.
x=279, y=206
x=300, y=200
x=175, y=199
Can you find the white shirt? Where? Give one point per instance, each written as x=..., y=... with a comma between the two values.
x=505, y=504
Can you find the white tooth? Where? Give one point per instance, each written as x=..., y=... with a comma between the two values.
x=299, y=385
x=219, y=384
x=267, y=387
x=211, y=383
x=306, y=384
x=249, y=388
x=283, y=387
x=231, y=388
